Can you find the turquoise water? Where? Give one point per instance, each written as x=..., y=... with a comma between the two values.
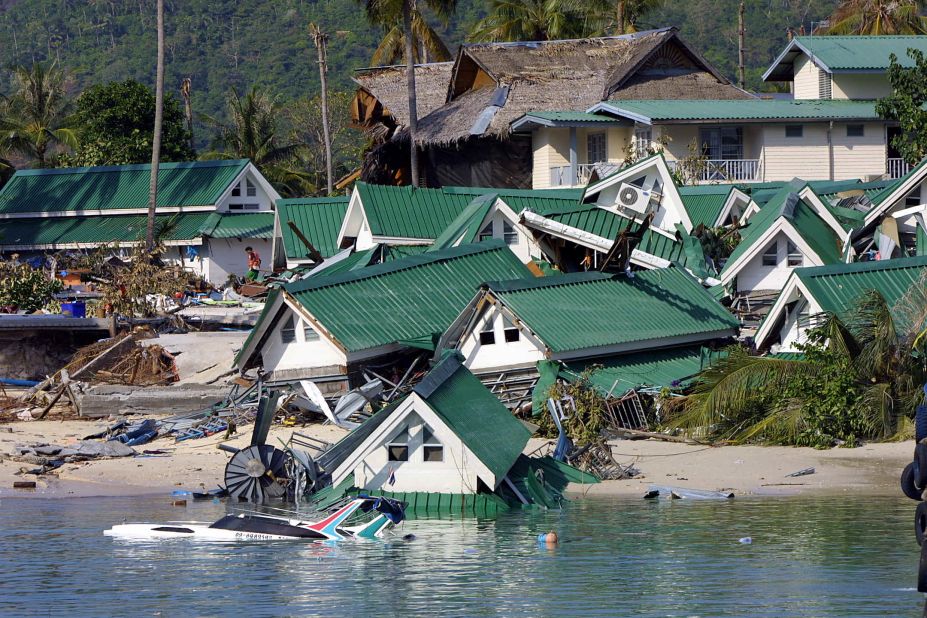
x=809, y=557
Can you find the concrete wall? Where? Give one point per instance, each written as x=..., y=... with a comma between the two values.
x=454, y=475
x=860, y=86
x=299, y=354
x=227, y=256
x=501, y=355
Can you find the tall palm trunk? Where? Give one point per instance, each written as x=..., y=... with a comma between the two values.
x=156, y=137
x=407, y=6
x=320, y=39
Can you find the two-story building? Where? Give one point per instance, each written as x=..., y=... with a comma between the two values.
x=826, y=129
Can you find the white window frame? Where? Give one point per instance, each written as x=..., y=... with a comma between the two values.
x=288, y=331
x=485, y=233
x=310, y=334
x=396, y=442
x=431, y=444
x=510, y=332
x=794, y=257
x=801, y=131
x=250, y=188
x=489, y=333
x=643, y=138
x=509, y=234
x=596, y=147
x=771, y=251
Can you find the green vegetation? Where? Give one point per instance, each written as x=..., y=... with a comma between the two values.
x=906, y=105
x=25, y=288
x=878, y=17
x=114, y=122
x=859, y=378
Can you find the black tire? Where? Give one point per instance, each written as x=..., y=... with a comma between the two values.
x=920, y=522
x=920, y=466
x=907, y=483
x=920, y=422
x=922, y=570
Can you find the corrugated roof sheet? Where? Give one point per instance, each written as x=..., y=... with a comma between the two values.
x=319, y=220
x=477, y=417
x=465, y=228
x=196, y=183
x=411, y=298
x=60, y=232
x=855, y=53
x=704, y=202
x=591, y=310
x=837, y=287
x=752, y=109
x=247, y=225
x=666, y=368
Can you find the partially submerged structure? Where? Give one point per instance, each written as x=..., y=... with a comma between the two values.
x=836, y=289
x=207, y=212
x=447, y=447
x=329, y=328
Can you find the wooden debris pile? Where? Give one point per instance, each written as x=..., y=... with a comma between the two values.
x=126, y=363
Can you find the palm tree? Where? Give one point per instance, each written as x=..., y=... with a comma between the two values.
x=384, y=13
x=873, y=363
x=156, y=135
x=36, y=119
x=427, y=44
x=617, y=16
x=251, y=133
x=532, y=20
x=876, y=17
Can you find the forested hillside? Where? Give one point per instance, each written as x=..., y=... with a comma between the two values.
x=226, y=43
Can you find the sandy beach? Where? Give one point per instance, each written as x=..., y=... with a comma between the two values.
x=871, y=469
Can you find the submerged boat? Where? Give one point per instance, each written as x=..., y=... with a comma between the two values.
x=361, y=518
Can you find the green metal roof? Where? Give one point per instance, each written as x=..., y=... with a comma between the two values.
x=196, y=183
x=668, y=110
x=319, y=220
x=62, y=232
x=591, y=310
x=606, y=224
x=406, y=212
x=560, y=119
x=667, y=368
x=846, y=53
x=819, y=236
x=837, y=287
x=465, y=229
x=704, y=203
x=410, y=298
x=248, y=225
x=409, y=212
x=472, y=412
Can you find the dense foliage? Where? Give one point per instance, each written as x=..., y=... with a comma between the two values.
x=906, y=105
x=222, y=44
x=26, y=288
x=858, y=379
x=114, y=123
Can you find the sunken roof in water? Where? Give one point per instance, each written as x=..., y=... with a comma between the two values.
x=494, y=83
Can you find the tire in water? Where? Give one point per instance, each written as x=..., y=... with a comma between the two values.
x=920, y=522
x=907, y=483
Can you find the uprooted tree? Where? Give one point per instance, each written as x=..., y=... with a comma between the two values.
x=25, y=288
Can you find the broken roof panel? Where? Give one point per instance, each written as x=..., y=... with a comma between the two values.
x=407, y=299
x=319, y=220
x=388, y=85
x=593, y=310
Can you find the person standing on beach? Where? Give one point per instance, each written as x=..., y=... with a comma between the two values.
x=254, y=264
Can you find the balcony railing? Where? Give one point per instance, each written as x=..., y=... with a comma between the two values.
x=720, y=170
x=897, y=168
x=561, y=177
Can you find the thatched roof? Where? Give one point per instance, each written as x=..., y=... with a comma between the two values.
x=495, y=83
x=388, y=86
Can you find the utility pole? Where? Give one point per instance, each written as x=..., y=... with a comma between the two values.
x=741, y=36
x=186, y=91
x=321, y=40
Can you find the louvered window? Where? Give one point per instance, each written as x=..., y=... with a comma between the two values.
x=824, y=84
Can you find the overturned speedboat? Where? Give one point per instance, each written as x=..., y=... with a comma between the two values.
x=361, y=518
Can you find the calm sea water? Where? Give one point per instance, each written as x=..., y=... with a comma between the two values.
x=809, y=557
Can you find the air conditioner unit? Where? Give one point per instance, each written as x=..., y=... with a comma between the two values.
x=633, y=198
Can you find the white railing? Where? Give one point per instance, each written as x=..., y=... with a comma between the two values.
x=722, y=170
x=896, y=168
x=561, y=176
